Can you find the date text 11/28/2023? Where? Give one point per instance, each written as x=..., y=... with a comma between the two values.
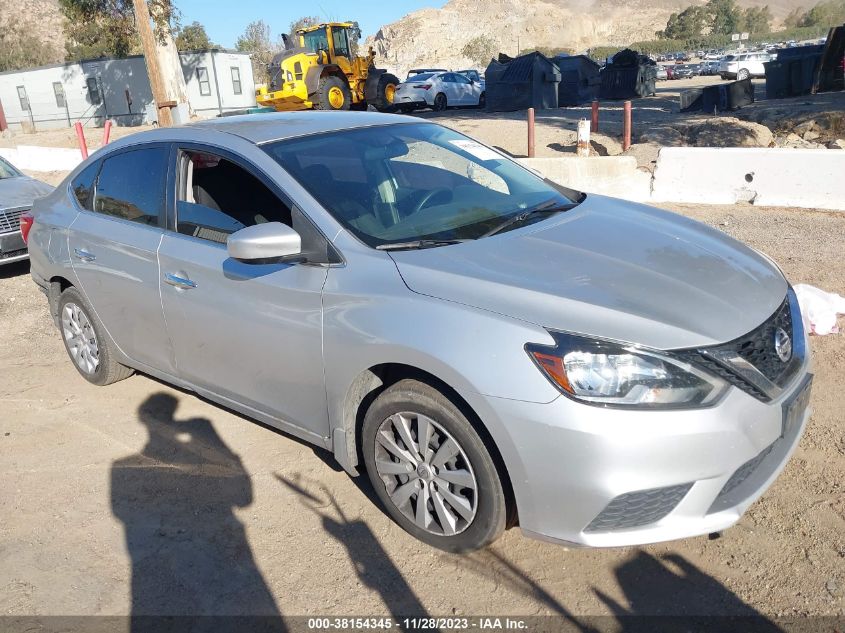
x=416, y=624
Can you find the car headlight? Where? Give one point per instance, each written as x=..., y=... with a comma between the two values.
x=619, y=375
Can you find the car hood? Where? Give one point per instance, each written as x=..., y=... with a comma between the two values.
x=611, y=269
x=21, y=191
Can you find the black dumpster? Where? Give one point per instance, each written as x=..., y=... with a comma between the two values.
x=727, y=96
x=629, y=76
x=794, y=72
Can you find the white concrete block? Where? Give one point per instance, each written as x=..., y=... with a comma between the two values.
x=805, y=178
x=616, y=176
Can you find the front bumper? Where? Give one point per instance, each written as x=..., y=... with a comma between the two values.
x=575, y=469
x=12, y=247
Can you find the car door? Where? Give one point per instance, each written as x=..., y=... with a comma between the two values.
x=469, y=90
x=113, y=243
x=249, y=333
x=450, y=89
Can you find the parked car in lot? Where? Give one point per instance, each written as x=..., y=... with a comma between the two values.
x=684, y=71
x=474, y=75
x=17, y=193
x=744, y=65
x=709, y=68
x=662, y=73
x=438, y=91
x=490, y=347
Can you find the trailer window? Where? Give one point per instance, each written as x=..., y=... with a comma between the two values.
x=236, y=80
x=59, y=92
x=202, y=78
x=93, y=91
x=23, y=98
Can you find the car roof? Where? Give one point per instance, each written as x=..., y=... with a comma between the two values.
x=276, y=126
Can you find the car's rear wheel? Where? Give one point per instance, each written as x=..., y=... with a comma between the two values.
x=431, y=469
x=440, y=102
x=85, y=341
x=743, y=74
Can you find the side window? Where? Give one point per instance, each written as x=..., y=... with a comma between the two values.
x=236, y=80
x=59, y=91
x=93, y=91
x=83, y=186
x=217, y=197
x=341, y=43
x=461, y=79
x=131, y=185
x=202, y=78
x=23, y=98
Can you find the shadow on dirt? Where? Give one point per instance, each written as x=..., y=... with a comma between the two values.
x=373, y=565
x=189, y=552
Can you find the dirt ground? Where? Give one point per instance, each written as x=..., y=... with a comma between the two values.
x=271, y=525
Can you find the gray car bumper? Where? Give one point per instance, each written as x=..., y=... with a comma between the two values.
x=12, y=247
x=600, y=477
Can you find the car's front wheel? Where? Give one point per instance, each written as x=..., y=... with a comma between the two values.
x=85, y=341
x=743, y=74
x=431, y=469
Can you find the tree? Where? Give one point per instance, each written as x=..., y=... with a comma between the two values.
x=688, y=24
x=303, y=22
x=794, y=18
x=725, y=17
x=828, y=14
x=758, y=19
x=106, y=28
x=256, y=41
x=193, y=37
x=480, y=49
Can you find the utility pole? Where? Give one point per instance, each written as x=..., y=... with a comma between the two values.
x=145, y=30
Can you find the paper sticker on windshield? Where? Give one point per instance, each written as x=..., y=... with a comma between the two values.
x=476, y=149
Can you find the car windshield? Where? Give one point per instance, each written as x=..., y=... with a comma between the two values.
x=419, y=181
x=7, y=171
x=316, y=40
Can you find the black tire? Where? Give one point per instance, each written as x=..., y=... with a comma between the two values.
x=482, y=100
x=108, y=370
x=386, y=87
x=491, y=510
x=440, y=102
x=322, y=99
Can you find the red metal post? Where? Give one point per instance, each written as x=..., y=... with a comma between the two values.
x=530, y=132
x=626, y=127
x=3, y=124
x=80, y=136
x=106, y=132
x=594, y=123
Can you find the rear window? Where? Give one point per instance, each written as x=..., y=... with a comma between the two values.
x=131, y=185
x=421, y=77
x=7, y=171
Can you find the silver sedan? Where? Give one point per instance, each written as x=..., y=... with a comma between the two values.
x=17, y=193
x=491, y=348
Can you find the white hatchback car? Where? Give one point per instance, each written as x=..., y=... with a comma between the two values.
x=438, y=91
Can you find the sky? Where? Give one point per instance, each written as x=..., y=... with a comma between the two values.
x=225, y=21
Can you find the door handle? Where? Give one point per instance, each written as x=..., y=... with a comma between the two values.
x=85, y=256
x=179, y=282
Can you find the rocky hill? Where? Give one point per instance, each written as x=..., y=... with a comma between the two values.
x=35, y=24
x=436, y=36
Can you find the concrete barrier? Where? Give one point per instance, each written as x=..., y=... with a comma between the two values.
x=805, y=178
x=34, y=158
x=616, y=176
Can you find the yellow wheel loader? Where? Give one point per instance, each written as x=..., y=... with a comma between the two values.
x=319, y=69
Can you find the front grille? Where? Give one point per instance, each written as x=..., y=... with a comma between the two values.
x=758, y=348
x=11, y=254
x=737, y=479
x=636, y=509
x=10, y=220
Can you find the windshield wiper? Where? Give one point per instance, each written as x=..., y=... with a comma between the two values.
x=521, y=217
x=416, y=245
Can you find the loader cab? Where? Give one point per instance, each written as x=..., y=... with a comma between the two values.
x=334, y=40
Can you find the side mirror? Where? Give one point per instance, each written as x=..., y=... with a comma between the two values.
x=260, y=242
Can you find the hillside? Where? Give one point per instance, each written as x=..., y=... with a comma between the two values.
x=38, y=25
x=436, y=36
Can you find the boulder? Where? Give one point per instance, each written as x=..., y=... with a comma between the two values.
x=837, y=144
x=793, y=141
x=730, y=132
x=605, y=145
x=810, y=135
x=805, y=126
x=664, y=136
